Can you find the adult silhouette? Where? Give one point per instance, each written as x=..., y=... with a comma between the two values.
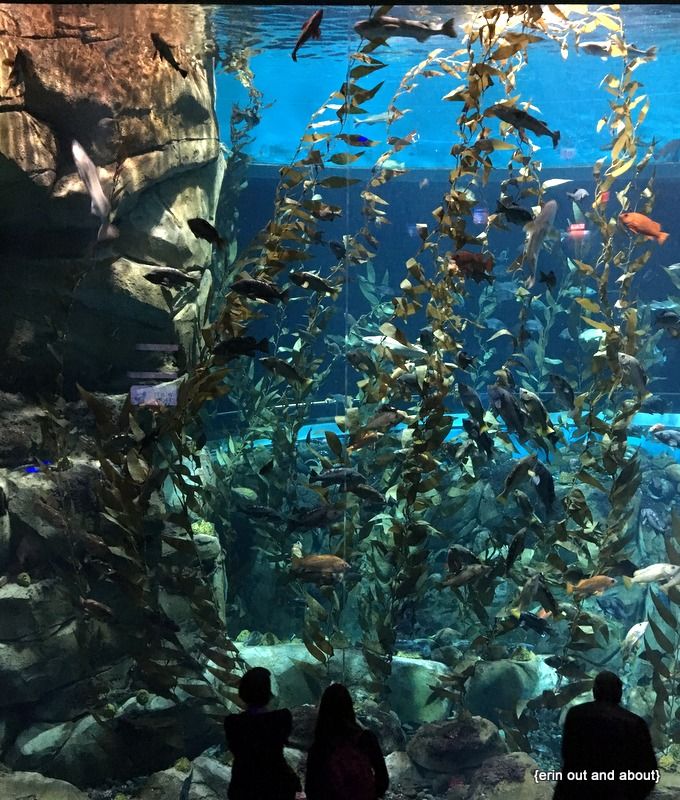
x=601, y=737
x=345, y=760
x=257, y=737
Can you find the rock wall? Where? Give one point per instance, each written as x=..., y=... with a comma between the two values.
x=69, y=305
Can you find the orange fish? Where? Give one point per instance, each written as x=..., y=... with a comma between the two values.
x=639, y=223
x=320, y=568
x=310, y=30
x=594, y=585
x=471, y=265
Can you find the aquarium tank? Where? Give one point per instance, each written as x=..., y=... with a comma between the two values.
x=340, y=341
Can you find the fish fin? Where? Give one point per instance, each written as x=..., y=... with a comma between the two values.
x=294, y=55
x=627, y=581
x=449, y=28
x=555, y=136
x=570, y=588
x=661, y=238
x=183, y=72
x=651, y=53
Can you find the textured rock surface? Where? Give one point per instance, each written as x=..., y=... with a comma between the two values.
x=88, y=73
x=509, y=777
x=33, y=786
x=455, y=745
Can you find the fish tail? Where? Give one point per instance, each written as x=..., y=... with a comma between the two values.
x=661, y=238
x=570, y=588
x=651, y=53
x=555, y=136
x=293, y=55
x=627, y=581
x=183, y=72
x=449, y=28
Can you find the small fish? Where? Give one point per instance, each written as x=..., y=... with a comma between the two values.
x=170, y=277
x=383, y=27
x=99, y=203
x=313, y=281
x=466, y=575
x=426, y=337
x=524, y=505
x=368, y=493
x=506, y=405
x=609, y=48
x=536, y=411
x=579, y=195
x=471, y=265
x=640, y=224
x=323, y=568
x=386, y=417
x=240, y=346
x=285, y=370
x=652, y=573
x=650, y=518
x=407, y=350
x=515, y=548
x=465, y=360
x=521, y=119
x=519, y=472
x=536, y=231
x=317, y=517
x=562, y=389
x=164, y=50
x=374, y=119
x=338, y=249
x=338, y=476
x=528, y=619
x=458, y=557
x=259, y=290
x=19, y=65
x=513, y=212
x=481, y=438
x=549, y=279
x=471, y=402
x=632, y=372
x=311, y=29
x=613, y=606
x=665, y=436
x=670, y=321
x=324, y=212
x=545, y=485
x=361, y=360
x=595, y=585
x=186, y=786
x=202, y=229
x=632, y=638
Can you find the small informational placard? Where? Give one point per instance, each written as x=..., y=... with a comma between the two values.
x=153, y=396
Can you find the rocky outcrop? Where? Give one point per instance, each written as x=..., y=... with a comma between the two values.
x=509, y=777
x=89, y=73
x=23, y=785
x=455, y=746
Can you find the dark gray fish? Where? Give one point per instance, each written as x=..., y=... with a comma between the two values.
x=613, y=606
x=426, y=337
x=368, y=493
x=527, y=619
x=317, y=517
x=383, y=27
x=170, y=277
x=668, y=437
x=670, y=321
x=202, y=229
x=471, y=402
x=361, y=360
x=465, y=360
x=513, y=212
x=240, y=346
x=562, y=389
x=481, y=438
x=341, y=476
x=164, y=50
x=186, y=786
x=521, y=119
x=545, y=485
x=259, y=290
x=338, y=249
x=458, y=557
x=505, y=405
x=549, y=279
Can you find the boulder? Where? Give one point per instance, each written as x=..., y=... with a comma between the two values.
x=210, y=780
x=20, y=432
x=455, y=745
x=33, y=786
x=509, y=777
x=404, y=774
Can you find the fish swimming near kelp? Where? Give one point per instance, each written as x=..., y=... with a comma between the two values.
x=324, y=569
x=632, y=372
x=519, y=472
x=202, y=229
x=513, y=212
x=562, y=389
x=595, y=585
x=477, y=266
x=643, y=225
x=505, y=405
x=240, y=346
x=662, y=573
x=669, y=320
x=99, y=205
x=536, y=231
x=311, y=29
x=666, y=436
x=522, y=120
x=384, y=27
x=314, y=282
x=164, y=50
x=170, y=277
x=259, y=290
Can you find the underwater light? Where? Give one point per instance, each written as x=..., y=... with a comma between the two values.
x=577, y=230
x=480, y=215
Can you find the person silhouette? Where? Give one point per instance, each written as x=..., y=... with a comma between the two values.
x=601, y=737
x=345, y=760
x=257, y=737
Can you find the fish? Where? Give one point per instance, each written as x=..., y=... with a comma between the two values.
x=186, y=786
x=202, y=229
x=536, y=231
x=506, y=405
x=640, y=224
x=549, y=279
x=587, y=586
x=338, y=249
x=650, y=518
x=311, y=29
x=545, y=485
x=316, y=517
x=313, y=281
x=670, y=321
x=613, y=606
x=466, y=575
x=632, y=638
x=579, y=195
x=481, y=438
x=515, y=548
x=471, y=265
x=338, y=476
x=667, y=437
x=19, y=64
x=240, y=346
x=527, y=619
x=519, y=472
x=386, y=417
x=375, y=119
x=521, y=119
x=610, y=48
x=164, y=50
x=321, y=568
x=259, y=290
x=562, y=389
x=361, y=360
x=471, y=402
x=99, y=203
x=514, y=213
x=652, y=573
x=632, y=372
x=465, y=360
x=458, y=557
x=525, y=506
x=285, y=370
x=367, y=492
x=384, y=27
x=170, y=277
x=536, y=411
x=325, y=212
x=406, y=350
x=671, y=150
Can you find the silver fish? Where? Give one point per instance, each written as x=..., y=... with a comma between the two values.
x=579, y=195
x=632, y=372
x=100, y=205
x=382, y=28
x=412, y=350
x=536, y=231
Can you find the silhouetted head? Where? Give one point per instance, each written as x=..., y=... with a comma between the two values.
x=255, y=687
x=336, y=714
x=607, y=687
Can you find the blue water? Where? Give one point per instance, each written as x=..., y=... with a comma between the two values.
x=566, y=91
